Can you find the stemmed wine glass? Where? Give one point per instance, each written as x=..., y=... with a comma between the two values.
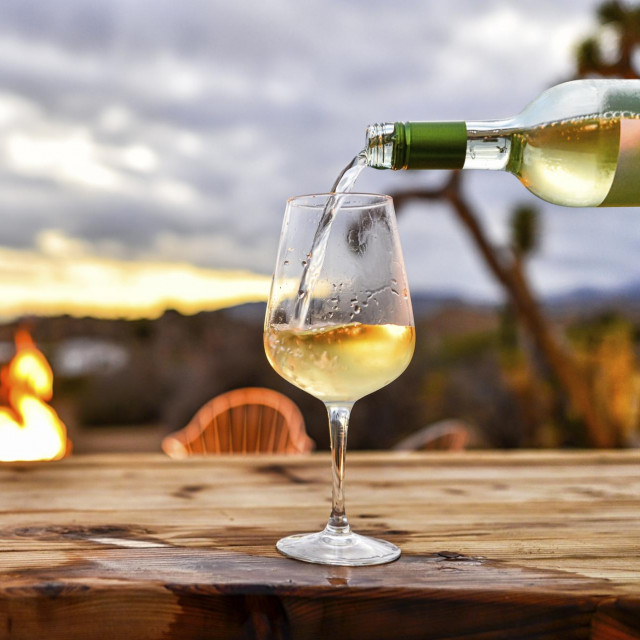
x=339, y=325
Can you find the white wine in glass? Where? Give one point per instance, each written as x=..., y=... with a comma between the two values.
x=339, y=335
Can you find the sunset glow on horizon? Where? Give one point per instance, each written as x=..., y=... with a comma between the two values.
x=53, y=282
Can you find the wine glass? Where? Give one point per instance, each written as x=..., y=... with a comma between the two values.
x=339, y=325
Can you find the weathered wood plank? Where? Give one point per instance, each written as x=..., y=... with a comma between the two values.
x=201, y=612
x=226, y=482
x=516, y=546
x=431, y=590
x=617, y=619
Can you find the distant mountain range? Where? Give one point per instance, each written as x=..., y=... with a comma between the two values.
x=586, y=299
x=583, y=300
x=628, y=295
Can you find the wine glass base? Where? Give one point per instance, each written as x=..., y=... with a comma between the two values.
x=345, y=549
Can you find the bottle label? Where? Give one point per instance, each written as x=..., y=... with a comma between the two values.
x=625, y=188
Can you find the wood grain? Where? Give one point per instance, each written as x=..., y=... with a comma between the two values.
x=495, y=545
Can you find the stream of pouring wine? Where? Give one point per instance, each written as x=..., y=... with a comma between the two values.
x=315, y=257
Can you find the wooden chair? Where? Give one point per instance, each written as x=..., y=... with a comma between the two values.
x=248, y=420
x=446, y=435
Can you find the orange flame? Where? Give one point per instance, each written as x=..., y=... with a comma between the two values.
x=29, y=428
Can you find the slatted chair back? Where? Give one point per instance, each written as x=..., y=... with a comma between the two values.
x=247, y=420
x=446, y=435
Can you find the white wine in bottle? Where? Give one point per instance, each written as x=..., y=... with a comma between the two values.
x=577, y=144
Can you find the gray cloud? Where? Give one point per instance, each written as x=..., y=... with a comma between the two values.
x=194, y=121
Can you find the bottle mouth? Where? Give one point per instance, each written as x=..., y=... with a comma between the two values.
x=380, y=139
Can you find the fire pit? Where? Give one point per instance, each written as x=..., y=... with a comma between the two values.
x=29, y=428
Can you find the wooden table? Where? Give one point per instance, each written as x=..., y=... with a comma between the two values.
x=495, y=545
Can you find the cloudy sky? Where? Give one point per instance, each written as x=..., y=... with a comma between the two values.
x=155, y=136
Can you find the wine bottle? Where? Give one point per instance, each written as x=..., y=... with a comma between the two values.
x=577, y=144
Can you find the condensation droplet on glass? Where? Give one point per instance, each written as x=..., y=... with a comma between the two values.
x=286, y=262
x=395, y=293
x=304, y=263
x=356, y=309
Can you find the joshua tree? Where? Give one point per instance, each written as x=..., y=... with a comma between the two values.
x=506, y=264
x=507, y=269
x=622, y=24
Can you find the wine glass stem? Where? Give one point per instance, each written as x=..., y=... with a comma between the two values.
x=338, y=426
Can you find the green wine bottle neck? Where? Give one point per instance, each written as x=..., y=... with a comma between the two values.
x=439, y=145
x=430, y=145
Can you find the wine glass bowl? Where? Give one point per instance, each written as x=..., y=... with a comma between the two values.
x=339, y=325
